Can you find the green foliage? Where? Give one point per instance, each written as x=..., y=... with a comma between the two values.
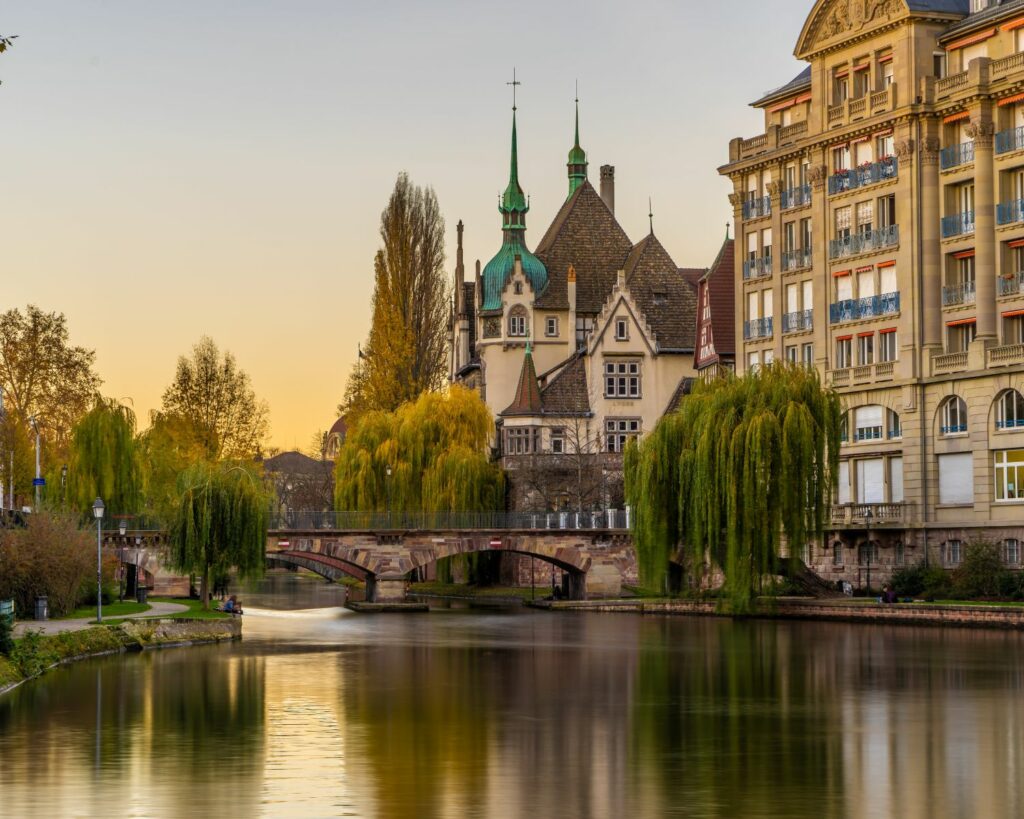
x=744, y=462
x=220, y=522
x=980, y=571
x=87, y=590
x=921, y=581
x=104, y=461
x=6, y=634
x=170, y=446
x=51, y=556
x=436, y=448
x=34, y=653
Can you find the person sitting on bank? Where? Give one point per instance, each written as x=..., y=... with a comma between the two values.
x=231, y=605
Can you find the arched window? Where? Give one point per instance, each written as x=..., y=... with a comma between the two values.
x=893, y=426
x=1010, y=410
x=844, y=428
x=517, y=322
x=954, y=416
x=837, y=553
x=868, y=423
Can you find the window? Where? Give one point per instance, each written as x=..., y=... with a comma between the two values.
x=840, y=85
x=870, y=481
x=900, y=554
x=522, y=440
x=551, y=326
x=766, y=246
x=518, y=288
x=867, y=553
x=844, y=427
x=769, y=357
x=841, y=159
x=952, y=552
x=865, y=218
x=868, y=423
x=1010, y=410
x=972, y=52
x=792, y=353
x=807, y=355
x=517, y=323
x=886, y=211
x=622, y=379
x=558, y=441
x=956, y=479
x=866, y=349
x=621, y=329
x=896, y=480
x=861, y=78
x=893, y=425
x=864, y=152
x=1011, y=551
x=954, y=416
x=866, y=283
x=837, y=554
x=960, y=335
x=887, y=75
x=885, y=147
x=1010, y=475
x=887, y=350
x=844, y=482
x=844, y=221
x=789, y=237
x=887, y=277
x=805, y=235
x=939, y=64
x=584, y=327
x=619, y=431
x=844, y=353
x=844, y=287
x=1013, y=328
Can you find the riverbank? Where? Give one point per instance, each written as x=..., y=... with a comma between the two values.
x=919, y=614
x=35, y=654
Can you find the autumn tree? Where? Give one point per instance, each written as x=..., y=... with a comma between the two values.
x=104, y=460
x=214, y=396
x=220, y=523
x=405, y=353
x=43, y=376
x=166, y=449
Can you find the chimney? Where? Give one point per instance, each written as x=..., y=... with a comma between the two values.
x=608, y=186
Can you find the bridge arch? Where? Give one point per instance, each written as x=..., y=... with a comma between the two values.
x=327, y=566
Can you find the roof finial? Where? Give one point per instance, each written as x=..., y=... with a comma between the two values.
x=650, y=214
x=515, y=84
x=727, y=231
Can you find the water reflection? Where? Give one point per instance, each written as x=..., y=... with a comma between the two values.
x=510, y=715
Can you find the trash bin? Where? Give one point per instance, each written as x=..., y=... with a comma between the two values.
x=141, y=593
x=42, y=608
x=7, y=609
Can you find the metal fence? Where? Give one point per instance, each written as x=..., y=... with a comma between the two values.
x=604, y=520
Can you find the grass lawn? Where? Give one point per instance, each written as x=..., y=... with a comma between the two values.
x=109, y=609
x=195, y=611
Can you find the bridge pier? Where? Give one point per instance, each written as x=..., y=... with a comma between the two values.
x=386, y=588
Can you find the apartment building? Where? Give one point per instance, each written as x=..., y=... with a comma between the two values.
x=880, y=238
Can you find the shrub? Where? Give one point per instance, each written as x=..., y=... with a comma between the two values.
x=51, y=556
x=6, y=635
x=921, y=581
x=980, y=573
x=87, y=590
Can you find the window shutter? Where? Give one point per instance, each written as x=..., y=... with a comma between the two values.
x=844, y=288
x=896, y=480
x=956, y=478
x=870, y=481
x=869, y=416
x=888, y=275
x=844, y=481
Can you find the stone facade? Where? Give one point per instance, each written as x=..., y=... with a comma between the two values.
x=880, y=227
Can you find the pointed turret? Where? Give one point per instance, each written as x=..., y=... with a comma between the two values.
x=514, y=206
x=527, y=399
x=577, y=163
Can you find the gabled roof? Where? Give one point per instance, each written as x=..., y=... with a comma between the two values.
x=567, y=393
x=527, y=398
x=683, y=389
x=586, y=235
x=293, y=463
x=800, y=82
x=667, y=300
x=722, y=299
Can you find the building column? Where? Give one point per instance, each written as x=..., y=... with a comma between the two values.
x=931, y=255
x=817, y=177
x=740, y=248
x=982, y=131
x=775, y=188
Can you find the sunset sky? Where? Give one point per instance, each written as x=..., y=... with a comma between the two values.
x=174, y=169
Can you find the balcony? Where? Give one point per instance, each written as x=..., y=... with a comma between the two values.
x=956, y=155
x=757, y=207
x=796, y=259
x=959, y=224
x=858, y=514
x=1009, y=213
x=866, y=308
x=998, y=69
x=865, y=242
x=798, y=322
x=796, y=197
x=953, y=430
x=866, y=105
x=882, y=371
x=1011, y=140
x=757, y=268
x=1010, y=284
x=868, y=174
x=955, y=294
x=947, y=86
x=949, y=363
x=758, y=328
x=1006, y=355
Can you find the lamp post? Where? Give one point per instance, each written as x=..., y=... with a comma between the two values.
x=867, y=528
x=64, y=483
x=387, y=493
x=37, y=483
x=97, y=511
x=121, y=529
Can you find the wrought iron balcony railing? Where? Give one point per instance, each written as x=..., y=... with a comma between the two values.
x=796, y=259
x=796, y=197
x=955, y=294
x=1010, y=284
x=959, y=224
x=757, y=268
x=758, y=328
x=757, y=207
x=864, y=242
x=798, y=322
x=867, y=174
x=1011, y=140
x=868, y=307
x=955, y=155
x=605, y=519
x=1007, y=213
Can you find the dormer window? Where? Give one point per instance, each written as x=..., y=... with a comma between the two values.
x=660, y=298
x=621, y=330
x=517, y=288
x=979, y=5
x=517, y=323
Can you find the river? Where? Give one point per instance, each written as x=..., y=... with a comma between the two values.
x=472, y=713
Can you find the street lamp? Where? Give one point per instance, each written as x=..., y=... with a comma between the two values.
x=97, y=511
x=38, y=482
x=867, y=527
x=387, y=492
x=122, y=529
x=64, y=483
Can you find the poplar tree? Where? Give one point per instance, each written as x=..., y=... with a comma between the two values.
x=405, y=353
x=220, y=523
x=744, y=463
x=103, y=460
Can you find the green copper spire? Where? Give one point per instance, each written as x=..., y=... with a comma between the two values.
x=514, y=206
x=577, y=158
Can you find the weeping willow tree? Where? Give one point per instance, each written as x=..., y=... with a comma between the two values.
x=220, y=523
x=437, y=450
x=744, y=463
x=103, y=460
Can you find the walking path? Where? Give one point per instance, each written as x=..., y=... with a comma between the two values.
x=78, y=624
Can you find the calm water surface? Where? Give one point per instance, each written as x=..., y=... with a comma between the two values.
x=462, y=713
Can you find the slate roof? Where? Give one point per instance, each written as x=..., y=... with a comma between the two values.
x=667, y=300
x=798, y=83
x=584, y=234
x=293, y=463
x=722, y=295
x=684, y=388
x=567, y=393
x=527, y=398
x=992, y=13
x=693, y=274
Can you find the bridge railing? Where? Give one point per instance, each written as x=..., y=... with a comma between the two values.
x=603, y=520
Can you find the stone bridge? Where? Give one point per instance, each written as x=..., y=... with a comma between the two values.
x=595, y=550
